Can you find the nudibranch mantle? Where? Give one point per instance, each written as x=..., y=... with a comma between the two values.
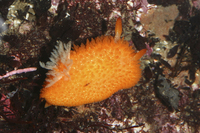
x=91, y=72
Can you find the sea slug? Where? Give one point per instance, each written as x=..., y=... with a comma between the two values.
x=91, y=72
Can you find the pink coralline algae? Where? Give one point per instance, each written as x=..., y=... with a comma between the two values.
x=19, y=71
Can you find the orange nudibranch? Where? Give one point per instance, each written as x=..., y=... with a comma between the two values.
x=91, y=72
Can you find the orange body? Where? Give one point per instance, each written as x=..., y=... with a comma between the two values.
x=100, y=68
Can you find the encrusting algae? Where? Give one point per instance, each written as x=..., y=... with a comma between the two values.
x=91, y=72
